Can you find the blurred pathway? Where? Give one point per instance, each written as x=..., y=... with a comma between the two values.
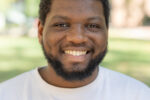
x=142, y=33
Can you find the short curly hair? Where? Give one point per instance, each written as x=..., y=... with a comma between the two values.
x=45, y=6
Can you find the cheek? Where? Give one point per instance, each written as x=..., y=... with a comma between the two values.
x=52, y=42
x=100, y=42
x=54, y=38
x=99, y=39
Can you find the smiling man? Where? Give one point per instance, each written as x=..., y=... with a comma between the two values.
x=74, y=40
x=73, y=35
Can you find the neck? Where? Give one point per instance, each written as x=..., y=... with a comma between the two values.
x=49, y=75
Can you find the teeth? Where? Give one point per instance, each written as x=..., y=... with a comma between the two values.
x=75, y=53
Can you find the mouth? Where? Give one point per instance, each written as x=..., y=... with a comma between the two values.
x=76, y=52
x=74, y=55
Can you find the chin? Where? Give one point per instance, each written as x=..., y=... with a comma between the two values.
x=75, y=67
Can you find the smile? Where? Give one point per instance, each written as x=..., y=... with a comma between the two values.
x=75, y=53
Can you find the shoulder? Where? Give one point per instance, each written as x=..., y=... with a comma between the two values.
x=124, y=84
x=119, y=78
x=16, y=83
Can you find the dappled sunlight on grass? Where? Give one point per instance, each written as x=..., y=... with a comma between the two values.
x=21, y=53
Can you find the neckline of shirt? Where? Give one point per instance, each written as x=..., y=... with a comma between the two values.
x=48, y=87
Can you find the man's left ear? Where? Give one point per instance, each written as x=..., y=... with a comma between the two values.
x=40, y=31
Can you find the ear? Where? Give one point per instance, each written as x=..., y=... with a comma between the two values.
x=40, y=31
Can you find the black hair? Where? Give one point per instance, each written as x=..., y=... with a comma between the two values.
x=45, y=6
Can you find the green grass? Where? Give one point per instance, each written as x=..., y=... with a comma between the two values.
x=131, y=57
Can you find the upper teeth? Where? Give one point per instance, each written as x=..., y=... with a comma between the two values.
x=75, y=53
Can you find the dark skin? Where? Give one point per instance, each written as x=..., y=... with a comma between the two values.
x=73, y=22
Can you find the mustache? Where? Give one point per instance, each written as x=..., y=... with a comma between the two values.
x=71, y=44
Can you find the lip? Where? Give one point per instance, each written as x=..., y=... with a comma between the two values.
x=76, y=49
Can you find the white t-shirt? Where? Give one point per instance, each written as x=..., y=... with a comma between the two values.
x=108, y=85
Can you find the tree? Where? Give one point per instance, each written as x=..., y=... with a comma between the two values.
x=31, y=8
x=5, y=5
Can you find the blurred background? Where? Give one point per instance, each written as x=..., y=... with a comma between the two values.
x=129, y=38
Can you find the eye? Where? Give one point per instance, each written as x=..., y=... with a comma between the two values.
x=93, y=27
x=61, y=25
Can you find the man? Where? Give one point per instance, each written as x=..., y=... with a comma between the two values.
x=74, y=36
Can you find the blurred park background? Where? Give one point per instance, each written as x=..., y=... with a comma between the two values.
x=129, y=38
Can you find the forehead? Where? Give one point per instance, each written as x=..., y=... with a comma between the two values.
x=76, y=8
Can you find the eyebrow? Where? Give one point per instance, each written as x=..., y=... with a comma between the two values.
x=95, y=18
x=61, y=17
x=66, y=18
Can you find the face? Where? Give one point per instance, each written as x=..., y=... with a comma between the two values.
x=74, y=37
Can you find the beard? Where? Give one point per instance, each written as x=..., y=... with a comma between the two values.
x=74, y=75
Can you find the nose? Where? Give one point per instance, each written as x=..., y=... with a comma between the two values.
x=76, y=35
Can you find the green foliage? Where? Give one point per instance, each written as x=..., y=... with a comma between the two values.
x=146, y=21
x=128, y=56
x=5, y=4
x=31, y=7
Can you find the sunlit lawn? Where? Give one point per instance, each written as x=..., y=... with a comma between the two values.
x=131, y=57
